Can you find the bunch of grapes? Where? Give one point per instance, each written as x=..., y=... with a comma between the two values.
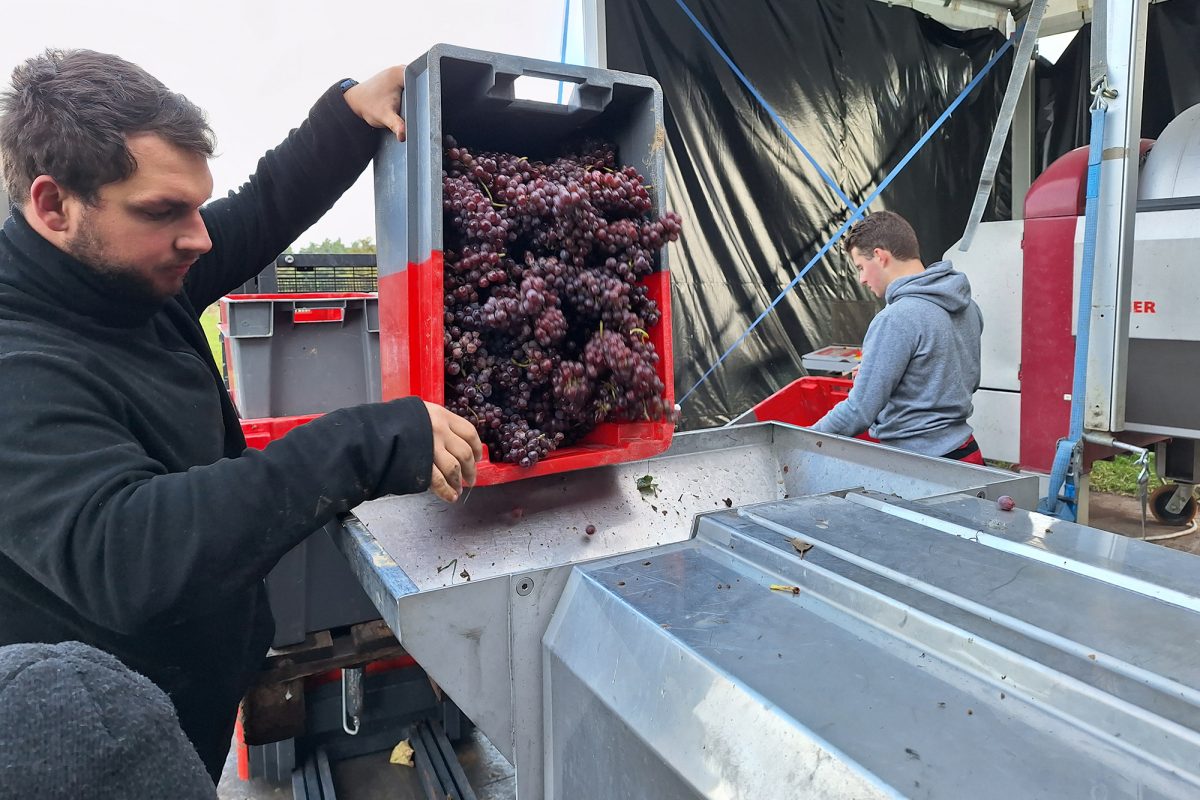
x=546, y=320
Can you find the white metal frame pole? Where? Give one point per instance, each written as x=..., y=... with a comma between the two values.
x=595, y=34
x=1022, y=146
x=1125, y=51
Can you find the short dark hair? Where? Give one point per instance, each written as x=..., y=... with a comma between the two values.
x=885, y=230
x=69, y=112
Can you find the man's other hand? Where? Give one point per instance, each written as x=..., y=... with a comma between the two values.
x=456, y=448
x=377, y=100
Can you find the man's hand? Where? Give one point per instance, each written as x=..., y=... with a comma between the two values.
x=377, y=100
x=456, y=448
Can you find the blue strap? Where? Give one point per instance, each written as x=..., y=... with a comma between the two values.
x=562, y=53
x=763, y=102
x=858, y=212
x=1051, y=504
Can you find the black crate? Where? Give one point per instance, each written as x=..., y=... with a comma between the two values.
x=312, y=589
x=316, y=272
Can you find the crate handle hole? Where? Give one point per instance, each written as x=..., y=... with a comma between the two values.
x=544, y=90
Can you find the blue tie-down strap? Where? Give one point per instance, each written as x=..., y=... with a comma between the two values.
x=1060, y=500
x=1060, y=471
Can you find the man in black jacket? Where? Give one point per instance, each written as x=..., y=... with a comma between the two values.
x=132, y=516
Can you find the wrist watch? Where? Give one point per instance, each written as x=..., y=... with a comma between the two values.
x=347, y=84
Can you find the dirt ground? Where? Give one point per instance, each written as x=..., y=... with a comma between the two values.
x=1123, y=515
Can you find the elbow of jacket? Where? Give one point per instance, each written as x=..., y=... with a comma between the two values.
x=133, y=614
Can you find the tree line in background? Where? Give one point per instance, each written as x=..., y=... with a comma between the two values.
x=364, y=245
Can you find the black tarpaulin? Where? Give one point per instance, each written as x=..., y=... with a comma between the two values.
x=1171, y=84
x=858, y=82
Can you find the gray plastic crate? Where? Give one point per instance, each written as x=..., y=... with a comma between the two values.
x=469, y=94
x=302, y=354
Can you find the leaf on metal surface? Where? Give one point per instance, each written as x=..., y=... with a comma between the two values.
x=801, y=546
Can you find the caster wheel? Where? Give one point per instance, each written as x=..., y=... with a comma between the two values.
x=1158, y=507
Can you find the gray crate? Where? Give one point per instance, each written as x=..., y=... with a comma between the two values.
x=470, y=95
x=301, y=355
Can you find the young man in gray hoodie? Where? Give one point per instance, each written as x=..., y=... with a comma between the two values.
x=920, y=362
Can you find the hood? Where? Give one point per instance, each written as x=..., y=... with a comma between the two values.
x=939, y=284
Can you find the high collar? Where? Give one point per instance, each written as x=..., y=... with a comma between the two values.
x=58, y=278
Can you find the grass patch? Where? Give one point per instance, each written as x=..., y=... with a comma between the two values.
x=1119, y=476
x=208, y=321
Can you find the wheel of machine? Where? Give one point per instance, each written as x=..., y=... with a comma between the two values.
x=1158, y=507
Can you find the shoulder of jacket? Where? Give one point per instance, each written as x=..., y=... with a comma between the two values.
x=893, y=315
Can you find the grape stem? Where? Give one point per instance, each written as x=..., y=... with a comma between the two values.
x=491, y=200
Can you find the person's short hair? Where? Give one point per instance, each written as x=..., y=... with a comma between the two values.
x=885, y=230
x=69, y=112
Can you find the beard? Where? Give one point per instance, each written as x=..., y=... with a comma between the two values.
x=121, y=280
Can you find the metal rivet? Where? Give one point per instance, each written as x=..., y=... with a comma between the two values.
x=524, y=586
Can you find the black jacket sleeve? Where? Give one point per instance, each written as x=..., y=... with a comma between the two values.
x=294, y=185
x=132, y=546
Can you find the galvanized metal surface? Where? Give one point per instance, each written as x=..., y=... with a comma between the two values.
x=480, y=638
x=542, y=522
x=637, y=709
x=1124, y=56
x=910, y=662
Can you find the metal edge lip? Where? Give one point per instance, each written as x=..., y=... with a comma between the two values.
x=1087, y=569
x=385, y=582
x=1065, y=644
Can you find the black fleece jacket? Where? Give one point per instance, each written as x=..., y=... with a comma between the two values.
x=132, y=516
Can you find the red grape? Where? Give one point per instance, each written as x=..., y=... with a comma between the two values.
x=546, y=321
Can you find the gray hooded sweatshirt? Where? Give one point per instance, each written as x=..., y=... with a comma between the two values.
x=920, y=366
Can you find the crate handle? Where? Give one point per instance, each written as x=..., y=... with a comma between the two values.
x=551, y=75
x=302, y=315
x=591, y=95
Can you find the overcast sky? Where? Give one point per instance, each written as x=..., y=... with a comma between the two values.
x=256, y=66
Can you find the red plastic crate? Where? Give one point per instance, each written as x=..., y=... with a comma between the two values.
x=804, y=401
x=469, y=94
x=411, y=309
x=261, y=432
